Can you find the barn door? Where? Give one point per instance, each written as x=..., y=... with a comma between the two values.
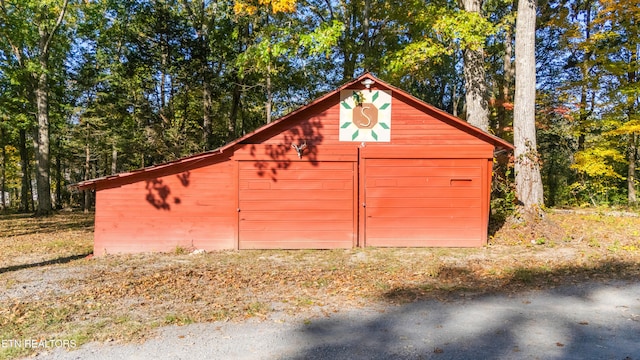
x=423, y=202
x=296, y=205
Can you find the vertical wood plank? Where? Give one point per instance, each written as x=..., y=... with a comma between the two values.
x=236, y=205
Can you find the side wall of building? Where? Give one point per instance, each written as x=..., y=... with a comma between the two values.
x=191, y=209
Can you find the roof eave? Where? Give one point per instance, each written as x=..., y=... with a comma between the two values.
x=93, y=183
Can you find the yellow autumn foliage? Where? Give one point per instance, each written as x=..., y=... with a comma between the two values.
x=629, y=127
x=598, y=162
x=276, y=6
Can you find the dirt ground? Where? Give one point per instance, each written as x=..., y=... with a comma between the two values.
x=53, y=289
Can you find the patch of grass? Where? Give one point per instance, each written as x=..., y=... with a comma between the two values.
x=524, y=275
x=257, y=308
x=322, y=282
x=179, y=250
x=384, y=286
x=304, y=301
x=594, y=243
x=219, y=315
x=32, y=321
x=540, y=241
x=12, y=351
x=180, y=320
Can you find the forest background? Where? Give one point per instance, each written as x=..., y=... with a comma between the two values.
x=90, y=88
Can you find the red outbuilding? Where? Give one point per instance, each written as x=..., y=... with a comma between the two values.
x=364, y=165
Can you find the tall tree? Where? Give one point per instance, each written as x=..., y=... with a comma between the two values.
x=527, y=164
x=261, y=55
x=477, y=106
x=3, y=166
x=31, y=31
x=203, y=15
x=437, y=40
x=616, y=48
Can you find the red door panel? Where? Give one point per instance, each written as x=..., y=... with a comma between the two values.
x=423, y=202
x=298, y=206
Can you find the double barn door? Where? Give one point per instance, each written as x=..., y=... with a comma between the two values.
x=395, y=202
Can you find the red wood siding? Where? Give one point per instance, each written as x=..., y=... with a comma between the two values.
x=380, y=151
x=284, y=153
x=424, y=202
x=428, y=186
x=302, y=205
x=409, y=126
x=192, y=209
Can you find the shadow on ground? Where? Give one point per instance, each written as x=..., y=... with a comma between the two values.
x=60, y=260
x=583, y=321
x=454, y=281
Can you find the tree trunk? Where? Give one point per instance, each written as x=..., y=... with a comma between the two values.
x=58, y=177
x=114, y=159
x=235, y=108
x=527, y=166
x=43, y=184
x=268, y=104
x=198, y=15
x=347, y=46
x=366, y=41
x=24, y=164
x=507, y=66
x=454, y=100
x=633, y=137
x=207, y=105
x=631, y=170
x=87, y=171
x=474, y=78
x=3, y=166
x=585, y=68
x=269, y=101
x=41, y=141
x=164, y=61
x=349, y=65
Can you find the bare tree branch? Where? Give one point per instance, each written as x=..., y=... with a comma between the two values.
x=47, y=43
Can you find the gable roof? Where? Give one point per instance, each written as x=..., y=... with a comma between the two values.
x=226, y=150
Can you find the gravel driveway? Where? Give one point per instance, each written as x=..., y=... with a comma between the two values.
x=598, y=320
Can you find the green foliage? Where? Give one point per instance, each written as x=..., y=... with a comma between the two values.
x=323, y=39
x=11, y=171
x=128, y=78
x=503, y=194
x=468, y=29
x=440, y=32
